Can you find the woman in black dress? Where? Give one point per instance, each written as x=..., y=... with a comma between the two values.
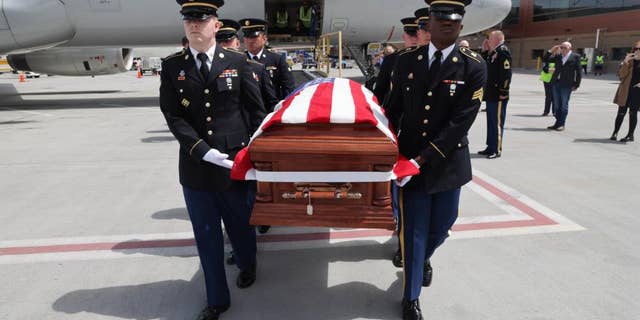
x=628, y=94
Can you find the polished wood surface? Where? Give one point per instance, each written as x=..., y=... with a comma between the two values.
x=323, y=147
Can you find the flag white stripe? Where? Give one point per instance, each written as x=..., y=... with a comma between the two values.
x=343, y=108
x=383, y=122
x=299, y=108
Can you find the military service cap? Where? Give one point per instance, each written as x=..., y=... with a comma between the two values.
x=199, y=9
x=251, y=28
x=228, y=30
x=410, y=25
x=448, y=9
x=422, y=18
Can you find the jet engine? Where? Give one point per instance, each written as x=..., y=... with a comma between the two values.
x=74, y=61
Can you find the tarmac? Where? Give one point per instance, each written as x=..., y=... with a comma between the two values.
x=94, y=224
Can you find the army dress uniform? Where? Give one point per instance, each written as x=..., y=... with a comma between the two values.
x=433, y=114
x=228, y=31
x=498, y=83
x=276, y=64
x=383, y=81
x=206, y=113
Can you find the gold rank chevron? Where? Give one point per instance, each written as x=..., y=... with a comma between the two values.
x=478, y=94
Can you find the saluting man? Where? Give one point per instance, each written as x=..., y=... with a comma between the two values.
x=496, y=93
x=204, y=92
x=435, y=97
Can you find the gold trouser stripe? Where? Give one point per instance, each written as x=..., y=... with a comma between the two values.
x=203, y=4
x=404, y=261
x=499, y=127
x=194, y=146
x=437, y=149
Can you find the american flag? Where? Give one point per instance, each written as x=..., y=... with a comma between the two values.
x=325, y=100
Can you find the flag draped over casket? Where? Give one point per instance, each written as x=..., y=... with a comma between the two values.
x=325, y=101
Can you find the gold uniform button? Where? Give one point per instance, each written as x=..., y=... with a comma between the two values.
x=206, y=91
x=425, y=121
x=208, y=105
x=208, y=119
x=424, y=134
x=210, y=132
x=427, y=107
x=429, y=94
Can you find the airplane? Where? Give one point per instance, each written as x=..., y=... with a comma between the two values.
x=96, y=37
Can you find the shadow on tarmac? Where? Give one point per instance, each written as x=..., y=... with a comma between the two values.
x=291, y=284
x=596, y=140
x=158, y=139
x=171, y=214
x=529, y=129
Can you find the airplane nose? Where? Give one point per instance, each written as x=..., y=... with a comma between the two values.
x=34, y=24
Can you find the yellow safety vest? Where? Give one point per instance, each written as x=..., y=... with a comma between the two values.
x=584, y=61
x=305, y=17
x=599, y=59
x=546, y=76
x=282, y=19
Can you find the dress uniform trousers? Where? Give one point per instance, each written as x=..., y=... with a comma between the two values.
x=426, y=221
x=496, y=116
x=233, y=207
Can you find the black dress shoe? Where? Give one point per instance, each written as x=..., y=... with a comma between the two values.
x=263, y=229
x=397, y=259
x=411, y=310
x=627, y=139
x=246, y=277
x=494, y=155
x=545, y=114
x=614, y=137
x=553, y=127
x=231, y=260
x=212, y=313
x=484, y=152
x=427, y=274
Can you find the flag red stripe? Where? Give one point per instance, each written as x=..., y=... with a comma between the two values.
x=320, y=105
x=363, y=111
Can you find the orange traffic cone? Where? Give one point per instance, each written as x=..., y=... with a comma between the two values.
x=139, y=73
x=22, y=77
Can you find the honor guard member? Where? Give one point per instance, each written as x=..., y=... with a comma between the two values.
x=227, y=36
x=435, y=97
x=255, y=39
x=423, y=15
x=204, y=92
x=496, y=93
x=410, y=39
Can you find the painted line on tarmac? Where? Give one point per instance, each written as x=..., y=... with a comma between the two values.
x=524, y=216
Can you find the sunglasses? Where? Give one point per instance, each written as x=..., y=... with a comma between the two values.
x=636, y=48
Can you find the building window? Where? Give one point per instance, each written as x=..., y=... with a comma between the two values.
x=544, y=10
x=619, y=53
x=514, y=14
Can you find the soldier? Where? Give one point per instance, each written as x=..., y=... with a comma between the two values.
x=227, y=36
x=204, y=92
x=496, y=93
x=255, y=39
x=435, y=97
x=410, y=39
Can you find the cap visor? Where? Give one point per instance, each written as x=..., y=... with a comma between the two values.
x=447, y=15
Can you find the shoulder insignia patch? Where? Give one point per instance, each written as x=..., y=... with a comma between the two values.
x=470, y=53
x=409, y=49
x=478, y=94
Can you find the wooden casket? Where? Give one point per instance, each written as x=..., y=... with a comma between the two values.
x=322, y=148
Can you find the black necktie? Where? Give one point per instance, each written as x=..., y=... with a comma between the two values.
x=256, y=58
x=204, y=68
x=435, y=66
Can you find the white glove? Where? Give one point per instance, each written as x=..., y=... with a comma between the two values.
x=218, y=158
x=405, y=180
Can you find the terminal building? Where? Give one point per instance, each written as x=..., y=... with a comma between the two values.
x=610, y=27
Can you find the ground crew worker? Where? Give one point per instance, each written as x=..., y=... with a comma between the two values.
x=192, y=83
x=598, y=65
x=584, y=61
x=282, y=19
x=304, y=14
x=435, y=97
x=548, y=67
x=496, y=93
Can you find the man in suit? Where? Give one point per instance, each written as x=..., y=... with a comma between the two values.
x=204, y=92
x=566, y=79
x=435, y=97
x=496, y=93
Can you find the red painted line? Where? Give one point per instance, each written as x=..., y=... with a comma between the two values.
x=538, y=219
